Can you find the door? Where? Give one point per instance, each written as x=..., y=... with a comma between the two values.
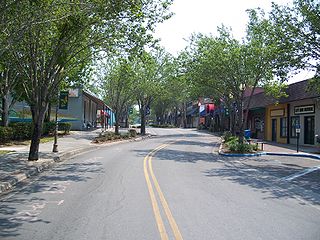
x=309, y=130
x=274, y=130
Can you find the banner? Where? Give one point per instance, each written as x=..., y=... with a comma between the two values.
x=63, y=100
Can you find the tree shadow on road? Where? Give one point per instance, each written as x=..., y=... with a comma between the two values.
x=265, y=180
x=29, y=200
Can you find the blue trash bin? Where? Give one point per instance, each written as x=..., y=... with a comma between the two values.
x=247, y=134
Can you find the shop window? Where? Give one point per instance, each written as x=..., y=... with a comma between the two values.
x=283, y=127
x=295, y=121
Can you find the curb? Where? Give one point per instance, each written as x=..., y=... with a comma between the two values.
x=8, y=182
x=307, y=155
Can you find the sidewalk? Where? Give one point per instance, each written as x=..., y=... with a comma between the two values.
x=290, y=148
x=15, y=167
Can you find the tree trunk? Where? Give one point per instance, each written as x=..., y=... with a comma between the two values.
x=185, y=115
x=116, y=129
x=143, y=120
x=38, y=114
x=48, y=114
x=5, y=111
x=241, y=122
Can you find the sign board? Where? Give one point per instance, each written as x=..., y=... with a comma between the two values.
x=298, y=130
x=304, y=109
x=63, y=100
x=73, y=93
x=277, y=113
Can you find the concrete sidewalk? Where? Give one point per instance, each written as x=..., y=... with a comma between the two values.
x=290, y=148
x=15, y=167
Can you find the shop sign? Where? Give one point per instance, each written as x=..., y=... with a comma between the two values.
x=304, y=109
x=73, y=93
x=277, y=113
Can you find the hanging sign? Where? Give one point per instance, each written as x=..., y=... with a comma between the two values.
x=63, y=100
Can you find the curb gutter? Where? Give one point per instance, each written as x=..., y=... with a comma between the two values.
x=307, y=155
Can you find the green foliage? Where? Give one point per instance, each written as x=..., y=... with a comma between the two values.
x=227, y=136
x=237, y=147
x=65, y=127
x=6, y=134
x=132, y=132
x=111, y=136
x=49, y=128
x=201, y=127
x=21, y=130
x=162, y=125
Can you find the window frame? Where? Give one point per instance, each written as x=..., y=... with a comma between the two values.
x=283, y=127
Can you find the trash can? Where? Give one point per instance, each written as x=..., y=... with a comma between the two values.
x=247, y=134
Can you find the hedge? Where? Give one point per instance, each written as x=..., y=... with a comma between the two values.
x=6, y=134
x=65, y=126
x=21, y=130
x=49, y=128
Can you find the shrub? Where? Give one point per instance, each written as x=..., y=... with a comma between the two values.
x=132, y=133
x=21, y=130
x=226, y=136
x=6, y=134
x=235, y=146
x=201, y=127
x=162, y=125
x=65, y=126
x=49, y=128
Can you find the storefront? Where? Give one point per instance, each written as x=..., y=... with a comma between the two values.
x=256, y=122
x=306, y=116
x=276, y=125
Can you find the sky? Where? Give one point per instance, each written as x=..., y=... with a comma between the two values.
x=204, y=16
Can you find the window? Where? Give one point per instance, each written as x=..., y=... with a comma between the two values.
x=295, y=121
x=283, y=127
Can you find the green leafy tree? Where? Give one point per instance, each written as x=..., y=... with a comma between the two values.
x=227, y=67
x=296, y=32
x=54, y=34
x=117, y=84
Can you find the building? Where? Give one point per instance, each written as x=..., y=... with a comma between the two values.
x=79, y=107
x=284, y=119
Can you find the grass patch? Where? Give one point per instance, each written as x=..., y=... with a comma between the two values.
x=46, y=139
x=28, y=142
x=3, y=152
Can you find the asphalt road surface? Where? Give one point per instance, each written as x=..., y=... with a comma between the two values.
x=171, y=186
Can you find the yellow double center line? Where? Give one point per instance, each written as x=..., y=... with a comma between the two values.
x=147, y=167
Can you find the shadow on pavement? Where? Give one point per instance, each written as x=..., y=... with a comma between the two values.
x=265, y=183
x=24, y=208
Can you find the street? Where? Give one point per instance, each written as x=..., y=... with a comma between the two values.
x=173, y=185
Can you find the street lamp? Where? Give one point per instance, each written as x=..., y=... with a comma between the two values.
x=55, y=142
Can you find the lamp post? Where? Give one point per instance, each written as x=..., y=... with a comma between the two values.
x=55, y=142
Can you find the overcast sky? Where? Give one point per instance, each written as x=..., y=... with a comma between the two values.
x=204, y=16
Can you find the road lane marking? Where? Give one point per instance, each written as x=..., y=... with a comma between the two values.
x=155, y=207
x=164, y=203
x=301, y=173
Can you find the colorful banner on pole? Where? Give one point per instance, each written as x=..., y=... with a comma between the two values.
x=63, y=100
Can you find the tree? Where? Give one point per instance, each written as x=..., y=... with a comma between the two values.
x=58, y=32
x=228, y=67
x=117, y=84
x=150, y=73
x=296, y=32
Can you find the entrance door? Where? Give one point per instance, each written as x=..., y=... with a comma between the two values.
x=274, y=130
x=309, y=130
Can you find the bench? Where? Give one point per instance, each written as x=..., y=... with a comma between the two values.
x=257, y=142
